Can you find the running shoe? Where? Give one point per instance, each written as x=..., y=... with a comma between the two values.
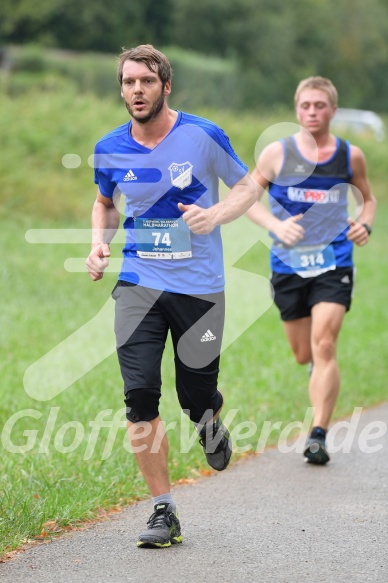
x=163, y=528
x=217, y=444
x=315, y=450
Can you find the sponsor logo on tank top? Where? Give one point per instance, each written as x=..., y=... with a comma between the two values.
x=312, y=195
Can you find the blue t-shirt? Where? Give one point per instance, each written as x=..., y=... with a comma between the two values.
x=320, y=192
x=160, y=252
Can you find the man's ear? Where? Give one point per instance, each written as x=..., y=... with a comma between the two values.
x=334, y=111
x=121, y=93
x=167, y=88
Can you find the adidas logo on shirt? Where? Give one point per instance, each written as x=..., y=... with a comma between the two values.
x=130, y=176
x=208, y=337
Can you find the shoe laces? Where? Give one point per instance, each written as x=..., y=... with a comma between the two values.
x=159, y=518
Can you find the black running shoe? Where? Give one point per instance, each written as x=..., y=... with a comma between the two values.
x=217, y=444
x=163, y=529
x=315, y=451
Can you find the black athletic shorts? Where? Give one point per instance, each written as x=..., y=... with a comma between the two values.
x=143, y=318
x=295, y=296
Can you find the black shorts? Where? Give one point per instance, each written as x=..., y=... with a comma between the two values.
x=295, y=296
x=143, y=319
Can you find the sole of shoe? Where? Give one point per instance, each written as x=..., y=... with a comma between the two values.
x=213, y=462
x=154, y=545
x=318, y=456
x=175, y=540
x=222, y=467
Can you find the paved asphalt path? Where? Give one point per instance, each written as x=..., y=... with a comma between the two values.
x=270, y=517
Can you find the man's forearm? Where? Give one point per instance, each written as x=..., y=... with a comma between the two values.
x=260, y=215
x=236, y=203
x=105, y=222
x=368, y=212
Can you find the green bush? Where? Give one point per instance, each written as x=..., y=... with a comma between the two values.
x=48, y=69
x=198, y=82
x=31, y=58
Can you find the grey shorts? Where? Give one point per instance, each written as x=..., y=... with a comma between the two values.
x=143, y=318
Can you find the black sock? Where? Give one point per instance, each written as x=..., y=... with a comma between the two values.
x=318, y=432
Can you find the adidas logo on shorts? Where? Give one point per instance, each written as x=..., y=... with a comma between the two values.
x=208, y=337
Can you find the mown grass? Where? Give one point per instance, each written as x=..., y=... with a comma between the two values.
x=43, y=304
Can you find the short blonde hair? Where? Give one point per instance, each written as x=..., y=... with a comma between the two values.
x=318, y=83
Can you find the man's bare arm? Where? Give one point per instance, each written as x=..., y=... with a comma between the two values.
x=366, y=205
x=268, y=166
x=240, y=197
x=105, y=222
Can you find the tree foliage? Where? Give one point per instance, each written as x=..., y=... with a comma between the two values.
x=275, y=43
x=84, y=24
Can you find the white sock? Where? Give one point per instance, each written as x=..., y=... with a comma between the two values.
x=165, y=499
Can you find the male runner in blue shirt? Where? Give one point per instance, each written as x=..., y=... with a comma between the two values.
x=166, y=164
x=308, y=177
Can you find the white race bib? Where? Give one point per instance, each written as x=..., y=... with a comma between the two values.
x=162, y=238
x=312, y=260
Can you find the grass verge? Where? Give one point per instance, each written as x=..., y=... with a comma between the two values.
x=60, y=464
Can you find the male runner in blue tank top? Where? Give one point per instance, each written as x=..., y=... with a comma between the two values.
x=308, y=177
x=166, y=164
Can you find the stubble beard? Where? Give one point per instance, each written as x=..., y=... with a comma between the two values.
x=152, y=115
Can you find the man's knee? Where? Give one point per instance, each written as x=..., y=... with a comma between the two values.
x=325, y=349
x=302, y=351
x=303, y=356
x=142, y=404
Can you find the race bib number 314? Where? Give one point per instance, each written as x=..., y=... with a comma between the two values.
x=312, y=261
x=162, y=238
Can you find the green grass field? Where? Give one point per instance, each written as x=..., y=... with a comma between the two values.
x=57, y=463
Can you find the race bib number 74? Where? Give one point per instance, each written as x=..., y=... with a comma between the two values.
x=162, y=238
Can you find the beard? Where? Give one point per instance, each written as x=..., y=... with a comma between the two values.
x=154, y=112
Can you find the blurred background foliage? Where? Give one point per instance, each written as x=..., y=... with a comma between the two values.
x=243, y=54
x=235, y=62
